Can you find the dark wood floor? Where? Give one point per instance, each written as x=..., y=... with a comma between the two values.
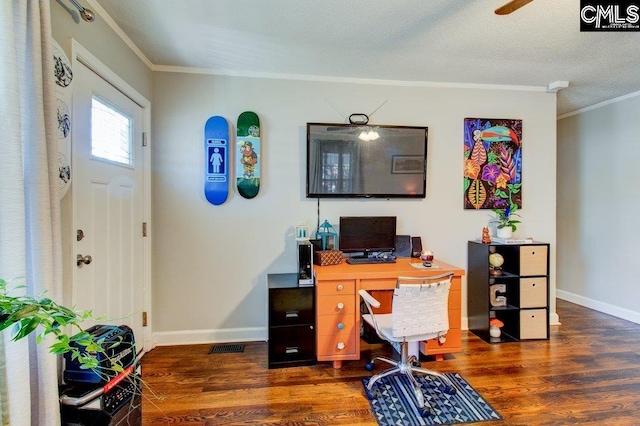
x=587, y=373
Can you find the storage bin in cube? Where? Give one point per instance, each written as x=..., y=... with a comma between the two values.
x=533, y=324
x=533, y=292
x=533, y=260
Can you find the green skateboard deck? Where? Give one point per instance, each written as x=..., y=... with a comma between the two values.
x=248, y=158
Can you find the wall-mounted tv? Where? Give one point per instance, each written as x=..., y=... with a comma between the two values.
x=341, y=164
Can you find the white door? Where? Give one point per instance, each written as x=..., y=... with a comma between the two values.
x=108, y=203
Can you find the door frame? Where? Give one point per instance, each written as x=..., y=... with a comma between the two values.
x=80, y=54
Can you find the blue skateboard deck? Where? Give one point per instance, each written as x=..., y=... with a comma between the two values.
x=248, y=154
x=216, y=160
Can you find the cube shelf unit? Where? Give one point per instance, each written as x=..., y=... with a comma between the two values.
x=525, y=277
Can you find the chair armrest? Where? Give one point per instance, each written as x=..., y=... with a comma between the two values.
x=369, y=298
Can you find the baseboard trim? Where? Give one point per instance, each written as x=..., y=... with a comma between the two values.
x=194, y=337
x=259, y=334
x=605, y=308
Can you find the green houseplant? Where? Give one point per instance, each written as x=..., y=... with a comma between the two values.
x=27, y=314
x=506, y=223
x=43, y=316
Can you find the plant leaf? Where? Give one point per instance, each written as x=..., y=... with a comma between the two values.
x=26, y=327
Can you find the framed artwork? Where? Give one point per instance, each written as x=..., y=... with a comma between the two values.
x=410, y=164
x=492, y=163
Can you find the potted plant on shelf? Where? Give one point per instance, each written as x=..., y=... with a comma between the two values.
x=506, y=224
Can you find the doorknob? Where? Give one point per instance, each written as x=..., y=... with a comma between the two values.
x=83, y=260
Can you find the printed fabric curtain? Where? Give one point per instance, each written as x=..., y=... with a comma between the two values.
x=30, y=242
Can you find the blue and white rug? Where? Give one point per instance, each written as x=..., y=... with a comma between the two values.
x=395, y=404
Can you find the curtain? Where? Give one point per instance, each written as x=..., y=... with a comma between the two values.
x=30, y=241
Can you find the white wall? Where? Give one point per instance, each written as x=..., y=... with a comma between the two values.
x=598, y=160
x=210, y=262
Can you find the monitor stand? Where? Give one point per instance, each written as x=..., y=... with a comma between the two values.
x=365, y=255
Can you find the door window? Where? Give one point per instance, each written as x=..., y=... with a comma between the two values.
x=110, y=133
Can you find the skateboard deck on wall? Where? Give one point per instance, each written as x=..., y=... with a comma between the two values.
x=216, y=160
x=248, y=154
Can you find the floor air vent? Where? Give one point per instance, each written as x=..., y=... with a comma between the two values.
x=226, y=349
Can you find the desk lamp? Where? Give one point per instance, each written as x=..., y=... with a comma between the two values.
x=327, y=234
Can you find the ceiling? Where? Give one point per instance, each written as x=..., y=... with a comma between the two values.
x=458, y=42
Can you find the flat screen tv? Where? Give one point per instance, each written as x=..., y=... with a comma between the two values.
x=340, y=164
x=367, y=234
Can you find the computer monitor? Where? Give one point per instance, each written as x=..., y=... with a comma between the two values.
x=367, y=234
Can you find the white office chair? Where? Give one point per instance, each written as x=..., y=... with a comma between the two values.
x=419, y=312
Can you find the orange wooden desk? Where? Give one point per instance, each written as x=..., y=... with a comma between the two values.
x=338, y=305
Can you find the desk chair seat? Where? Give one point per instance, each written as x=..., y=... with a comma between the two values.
x=419, y=312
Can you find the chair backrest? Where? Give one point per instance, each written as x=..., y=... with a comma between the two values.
x=420, y=306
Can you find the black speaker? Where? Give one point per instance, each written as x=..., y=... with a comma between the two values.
x=403, y=246
x=416, y=246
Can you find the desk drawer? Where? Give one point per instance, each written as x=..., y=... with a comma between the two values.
x=452, y=344
x=337, y=325
x=337, y=345
x=340, y=304
x=328, y=288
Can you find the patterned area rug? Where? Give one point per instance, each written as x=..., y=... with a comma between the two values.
x=395, y=404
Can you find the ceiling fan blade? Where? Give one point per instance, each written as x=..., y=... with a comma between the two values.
x=512, y=6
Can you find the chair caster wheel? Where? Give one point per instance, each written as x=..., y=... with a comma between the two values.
x=426, y=412
x=449, y=390
x=371, y=396
x=369, y=366
x=416, y=363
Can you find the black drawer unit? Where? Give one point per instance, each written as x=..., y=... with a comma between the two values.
x=292, y=331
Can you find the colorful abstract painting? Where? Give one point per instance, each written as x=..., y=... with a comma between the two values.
x=492, y=163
